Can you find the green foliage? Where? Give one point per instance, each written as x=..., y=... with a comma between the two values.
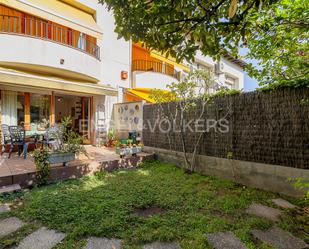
x=275, y=32
x=42, y=165
x=224, y=92
x=74, y=143
x=69, y=140
x=279, y=43
x=229, y=155
x=104, y=206
x=193, y=88
x=111, y=135
x=66, y=123
x=191, y=94
x=302, y=184
x=304, y=101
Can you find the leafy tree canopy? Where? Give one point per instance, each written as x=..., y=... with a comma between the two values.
x=275, y=31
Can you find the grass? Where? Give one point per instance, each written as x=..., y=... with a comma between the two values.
x=105, y=205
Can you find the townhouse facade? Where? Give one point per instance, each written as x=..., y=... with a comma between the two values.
x=62, y=58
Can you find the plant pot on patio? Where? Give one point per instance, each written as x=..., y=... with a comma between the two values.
x=61, y=157
x=128, y=151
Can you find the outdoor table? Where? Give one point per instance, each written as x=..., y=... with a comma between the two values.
x=35, y=137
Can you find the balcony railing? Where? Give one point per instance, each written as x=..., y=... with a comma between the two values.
x=154, y=66
x=48, y=31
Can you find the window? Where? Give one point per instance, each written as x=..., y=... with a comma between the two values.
x=13, y=108
x=39, y=111
x=202, y=67
x=20, y=109
x=230, y=82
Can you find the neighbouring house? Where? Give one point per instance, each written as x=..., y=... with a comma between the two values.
x=150, y=69
x=62, y=58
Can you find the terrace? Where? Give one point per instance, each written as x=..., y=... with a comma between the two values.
x=45, y=30
x=22, y=171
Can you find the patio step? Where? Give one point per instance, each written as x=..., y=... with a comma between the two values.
x=9, y=189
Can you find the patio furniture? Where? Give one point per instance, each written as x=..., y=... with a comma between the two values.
x=53, y=137
x=5, y=137
x=18, y=138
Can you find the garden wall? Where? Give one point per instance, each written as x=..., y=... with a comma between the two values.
x=267, y=140
x=266, y=127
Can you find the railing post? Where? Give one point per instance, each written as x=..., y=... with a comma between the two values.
x=14, y=24
x=20, y=24
x=31, y=26
x=2, y=28
x=42, y=29
x=9, y=25
x=56, y=28
x=36, y=27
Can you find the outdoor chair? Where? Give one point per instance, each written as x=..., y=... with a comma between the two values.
x=53, y=137
x=5, y=137
x=18, y=138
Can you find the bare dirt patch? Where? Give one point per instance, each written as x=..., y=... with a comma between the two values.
x=149, y=211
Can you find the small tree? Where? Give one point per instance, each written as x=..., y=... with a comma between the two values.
x=190, y=96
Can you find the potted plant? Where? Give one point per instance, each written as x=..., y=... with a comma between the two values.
x=68, y=149
x=121, y=149
x=128, y=149
x=43, y=125
x=111, y=137
x=65, y=143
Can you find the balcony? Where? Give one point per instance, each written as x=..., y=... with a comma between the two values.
x=157, y=67
x=38, y=46
x=40, y=29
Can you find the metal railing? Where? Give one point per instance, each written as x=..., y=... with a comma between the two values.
x=154, y=66
x=48, y=31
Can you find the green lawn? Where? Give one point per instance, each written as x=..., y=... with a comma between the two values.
x=105, y=205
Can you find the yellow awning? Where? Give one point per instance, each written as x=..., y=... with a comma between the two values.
x=58, y=12
x=21, y=79
x=143, y=93
x=168, y=60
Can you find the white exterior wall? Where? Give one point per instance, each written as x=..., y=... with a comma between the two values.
x=115, y=54
x=235, y=71
x=152, y=80
x=25, y=50
x=229, y=70
x=115, y=57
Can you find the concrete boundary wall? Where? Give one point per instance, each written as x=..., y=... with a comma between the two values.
x=264, y=176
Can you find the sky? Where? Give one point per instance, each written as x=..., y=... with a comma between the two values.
x=250, y=83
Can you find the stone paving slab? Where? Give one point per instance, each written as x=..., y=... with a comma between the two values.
x=41, y=239
x=226, y=240
x=10, y=188
x=4, y=208
x=279, y=239
x=283, y=203
x=162, y=245
x=264, y=212
x=103, y=243
x=10, y=225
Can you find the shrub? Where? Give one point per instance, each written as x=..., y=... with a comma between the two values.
x=42, y=165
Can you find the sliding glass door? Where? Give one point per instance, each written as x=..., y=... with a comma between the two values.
x=79, y=109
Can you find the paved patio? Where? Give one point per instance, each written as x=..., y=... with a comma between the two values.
x=98, y=159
